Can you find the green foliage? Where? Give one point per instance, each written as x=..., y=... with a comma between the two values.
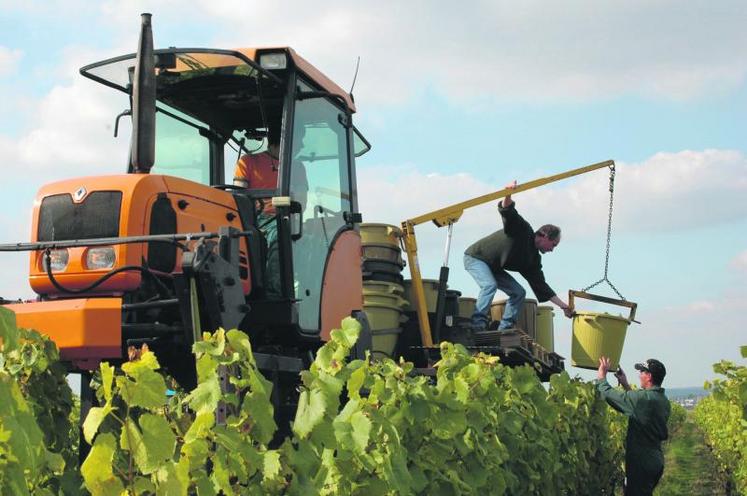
x=723, y=419
x=677, y=418
x=38, y=419
x=480, y=428
x=362, y=427
x=690, y=467
x=144, y=444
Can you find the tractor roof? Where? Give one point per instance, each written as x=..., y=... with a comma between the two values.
x=306, y=67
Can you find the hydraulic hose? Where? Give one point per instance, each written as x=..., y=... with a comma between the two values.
x=101, y=280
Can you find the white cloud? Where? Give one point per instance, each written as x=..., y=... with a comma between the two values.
x=61, y=10
x=15, y=226
x=500, y=50
x=700, y=307
x=740, y=262
x=497, y=50
x=692, y=336
x=8, y=151
x=9, y=59
x=14, y=283
x=69, y=130
x=666, y=192
x=74, y=132
x=487, y=51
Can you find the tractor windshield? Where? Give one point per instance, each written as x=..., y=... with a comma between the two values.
x=204, y=99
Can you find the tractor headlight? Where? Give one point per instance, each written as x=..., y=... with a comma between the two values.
x=101, y=257
x=57, y=260
x=277, y=60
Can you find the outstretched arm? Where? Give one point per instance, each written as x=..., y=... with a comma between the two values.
x=623, y=402
x=568, y=311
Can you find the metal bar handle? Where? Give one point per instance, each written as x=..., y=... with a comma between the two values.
x=604, y=299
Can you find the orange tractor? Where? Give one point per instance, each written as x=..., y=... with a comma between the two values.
x=172, y=247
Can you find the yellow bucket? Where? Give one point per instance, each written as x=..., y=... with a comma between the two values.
x=384, y=320
x=386, y=252
x=384, y=287
x=595, y=335
x=545, y=334
x=379, y=298
x=380, y=234
x=526, y=320
x=383, y=342
x=383, y=316
x=467, y=307
x=430, y=287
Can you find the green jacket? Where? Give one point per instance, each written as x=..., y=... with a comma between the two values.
x=512, y=248
x=647, y=411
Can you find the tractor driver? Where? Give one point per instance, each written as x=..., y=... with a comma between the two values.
x=260, y=171
x=516, y=247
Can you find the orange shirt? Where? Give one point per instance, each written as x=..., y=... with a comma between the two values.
x=260, y=171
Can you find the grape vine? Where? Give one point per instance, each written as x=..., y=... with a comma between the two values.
x=722, y=417
x=362, y=427
x=38, y=421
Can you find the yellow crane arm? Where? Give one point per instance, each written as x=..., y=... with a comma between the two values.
x=450, y=215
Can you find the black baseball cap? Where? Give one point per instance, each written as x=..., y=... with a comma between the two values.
x=655, y=368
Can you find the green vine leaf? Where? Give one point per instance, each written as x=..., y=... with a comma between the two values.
x=158, y=438
x=311, y=410
x=8, y=331
x=96, y=416
x=200, y=428
x=142, y=386
x=97, y=468
x=205, y=397
x=107, y=378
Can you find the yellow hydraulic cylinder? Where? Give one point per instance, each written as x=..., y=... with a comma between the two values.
x=411, y=247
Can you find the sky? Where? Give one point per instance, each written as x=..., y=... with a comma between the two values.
x=458, y=102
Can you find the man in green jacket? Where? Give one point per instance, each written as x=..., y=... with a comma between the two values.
x=648, y=411
x=518, y=248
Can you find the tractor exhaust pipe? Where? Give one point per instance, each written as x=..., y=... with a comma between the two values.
x=143, y=146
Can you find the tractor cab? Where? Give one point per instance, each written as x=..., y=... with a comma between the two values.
x=216, y=107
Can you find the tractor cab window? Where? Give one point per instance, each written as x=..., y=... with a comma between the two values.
x=204, y=99
x=181, y=150
x=320, y=182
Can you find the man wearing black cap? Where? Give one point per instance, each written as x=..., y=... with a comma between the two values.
x=647, y=410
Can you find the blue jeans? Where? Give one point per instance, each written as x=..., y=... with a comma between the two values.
x=490, y=282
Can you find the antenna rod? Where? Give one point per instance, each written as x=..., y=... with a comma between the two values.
x=355, y=76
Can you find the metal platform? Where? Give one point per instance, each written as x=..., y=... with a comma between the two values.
x=514, y=349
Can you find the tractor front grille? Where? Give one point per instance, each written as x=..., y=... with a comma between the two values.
x=97, y=216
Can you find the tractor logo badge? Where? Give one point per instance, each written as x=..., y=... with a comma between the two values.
x=79, y=194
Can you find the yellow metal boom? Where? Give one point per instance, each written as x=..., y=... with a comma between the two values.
x=452, y=214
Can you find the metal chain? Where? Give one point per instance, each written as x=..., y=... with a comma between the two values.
x=609, y=239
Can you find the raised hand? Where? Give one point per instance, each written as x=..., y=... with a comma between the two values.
x=507, y=199
x=604, y=367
